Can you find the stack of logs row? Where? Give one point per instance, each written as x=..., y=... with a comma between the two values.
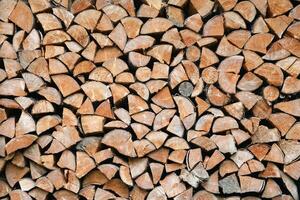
x=149, y=99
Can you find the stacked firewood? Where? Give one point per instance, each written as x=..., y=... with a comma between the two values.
x=149, y=99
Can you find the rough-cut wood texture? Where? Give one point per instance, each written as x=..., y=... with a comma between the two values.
x=149, y=99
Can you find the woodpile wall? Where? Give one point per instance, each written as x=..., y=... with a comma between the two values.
x=149, y=99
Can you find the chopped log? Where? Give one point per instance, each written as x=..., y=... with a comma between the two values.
x=241, y=156
x=252, y=60
x=22, y=16
x=26, y=184
x=118, y=36
x=227, y=167
x=189, y=37
x=198, y=89
x=225, y=48
x=291, y=170
x=176, y=143
x=290, y=107
x=234, y=21
x=84, y=164
x=216, y=96
x=137, y=166
x=39, y=6
x=115, y=12
x=223, y=124
x=228, y=82
x=236, y=110
x=214, y=27
x=88, y=18
x=185, y=195
x=262, y=110
x=291, y=85
x=157, y=193
x=49, y=21
x=7, y=128
x=25, y=124
x=204, y=123
x=289, y=148
x=175, y=15
x=275, y=154
x=137, y=59
x=55, y=37
x=172, y=186
x=246, y=9
x=144, y=181
x=249, y=82
x=143, y=147
x=6, y=28
x=79, y=34
x=15, y=87
x=260, y=26
x=194, y=22
x=19, y=142
x=291, y=186
x=18, y=194
x=140, y=42
x=279, y=24
x=91, y=87
x=125, y=175
x=147, y=11
x=65, y=89
x=163, y=98
x=230, y=184
x=132, y=26
x=7, y=51
x=276, y=9
x=216, y=158
x=286, y=44
x=249, y=184
x=248, y=99
x=294, y=13
x=277, y=119
x=220, y=142
x=123, y=144
x=161, y=52
x=265, y=135
x=203, y=7
x=208, y=58
x=239, y=37
x=149, y=26
x=193, y=53
x=272, y=189
x=13, y=173
x=47, y=122
x=293, y=132
x=92, y=124
x=102, y=75
x=159, y=71
x=185, y=106
x=259, y=42
x=6, y=9
x=177, y=76
x=227, y=4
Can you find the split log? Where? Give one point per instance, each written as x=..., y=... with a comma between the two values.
x=290, y=107
x=123, y=144
x=22, y=16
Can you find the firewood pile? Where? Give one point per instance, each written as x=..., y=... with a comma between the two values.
x=149, y=99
